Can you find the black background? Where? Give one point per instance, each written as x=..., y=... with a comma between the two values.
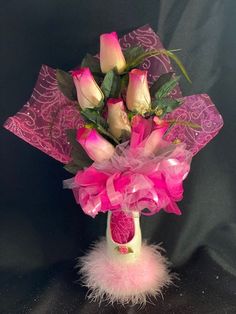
x=42, y=230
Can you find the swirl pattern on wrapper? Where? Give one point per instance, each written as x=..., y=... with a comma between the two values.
x=200, y=110
x=42, y=122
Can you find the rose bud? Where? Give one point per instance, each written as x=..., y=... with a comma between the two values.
x=154, y=140
x=94, y=144
x=140, y=129
x=89, y=94
x=117, y=118
x=138, y=97
x=111, y=55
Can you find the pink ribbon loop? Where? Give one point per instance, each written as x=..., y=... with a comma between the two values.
x=134, y=182
x=115, y=197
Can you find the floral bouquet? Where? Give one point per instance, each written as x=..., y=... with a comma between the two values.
x=121, y=126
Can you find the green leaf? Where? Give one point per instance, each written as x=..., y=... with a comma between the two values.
x=169, y=104
x=154, y=104
x=160, y=82
x=99, y=123
x=124, y=81
x=173, y=56
x=116, y=86
x=78, y=154
x=107, y=83
x=94, y=116
x=71, y=167
x=92, y=63
x=66, y=84
x=133, y=53
x=167, y=88
x=131, y=114
x=130, y=250
x=165, y=105
x=139, y=58
x=151, y=53
x=111, y=85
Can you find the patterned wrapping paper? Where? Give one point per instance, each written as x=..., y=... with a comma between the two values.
x=44, y=118
x=200, y=110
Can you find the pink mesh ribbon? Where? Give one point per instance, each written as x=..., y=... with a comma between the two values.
x=45, y=117
x=132, y=180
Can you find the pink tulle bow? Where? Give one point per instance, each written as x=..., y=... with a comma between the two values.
x=133, y=181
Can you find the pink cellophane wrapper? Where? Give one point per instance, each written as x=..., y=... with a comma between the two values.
x=44, y=118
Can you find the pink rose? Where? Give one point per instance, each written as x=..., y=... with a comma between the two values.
x=140, y=129
x=94, y=144
x=117, y=117
x=111, y=55
x=123, y=249
x=153, y=141
x=138, y=97
x=89, y=94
